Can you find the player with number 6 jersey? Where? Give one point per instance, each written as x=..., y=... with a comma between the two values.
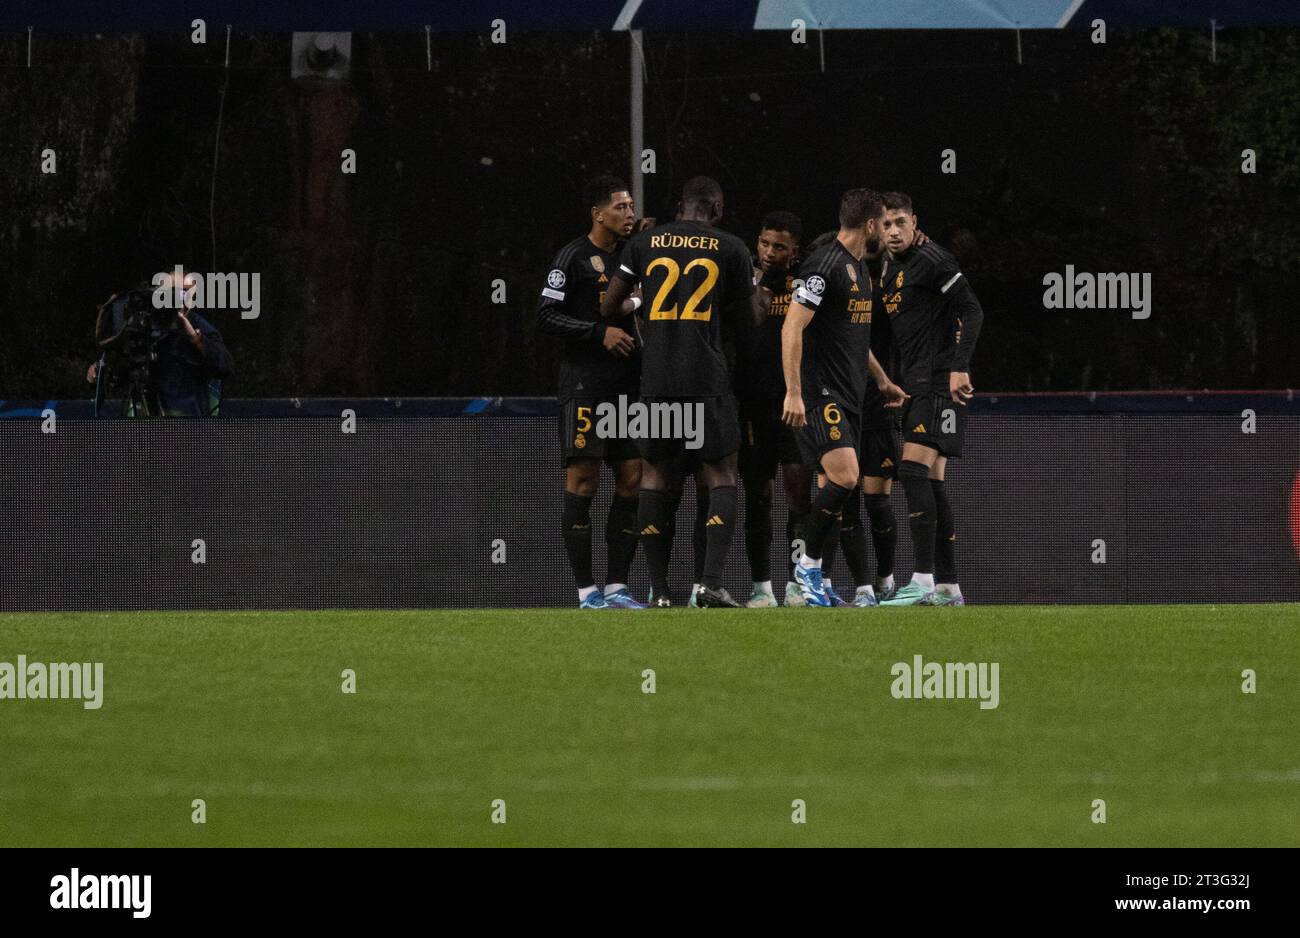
x=827, y=359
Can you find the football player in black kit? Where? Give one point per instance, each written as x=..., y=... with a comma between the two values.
x=693, y=276
x=878, y=458
x=765, y=442
x=601, y=361
x=826, y=357
x=935, y=318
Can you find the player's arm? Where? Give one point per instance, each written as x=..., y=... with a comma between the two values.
x=894, y=395
x=766, y=286
x=761, y=301
x=553, y=315
x=797, y=317
x=618, y=297
x=553, y=318
x=969, y=316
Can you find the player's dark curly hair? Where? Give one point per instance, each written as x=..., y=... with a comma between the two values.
x=597, y=191
x=858, y=206
x=783, y=221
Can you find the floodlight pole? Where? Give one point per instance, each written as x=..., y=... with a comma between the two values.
x=637, y=120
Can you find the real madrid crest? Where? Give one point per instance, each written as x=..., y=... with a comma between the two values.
x=598, y=264
x=853, y=274
x=580, y=441
x=898, y=283
x=835, y=433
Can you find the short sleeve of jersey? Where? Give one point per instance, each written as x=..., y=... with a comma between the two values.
x=558, y=278
x=739, y=272
x=811, y=284
x=938, y=270
x=629, y=261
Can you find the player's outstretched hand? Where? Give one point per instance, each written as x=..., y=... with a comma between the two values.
x=959, y=386
x=894, y=395
x=617, y=342
x=793, y=413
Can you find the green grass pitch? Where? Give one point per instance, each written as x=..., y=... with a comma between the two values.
x=1139, y=706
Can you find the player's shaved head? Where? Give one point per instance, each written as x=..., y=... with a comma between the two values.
x=702, y=196
x=859, y=206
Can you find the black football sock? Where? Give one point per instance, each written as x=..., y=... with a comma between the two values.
x=700, y=536
x=945, y=536
x=920, y=511
x=652, y=520
x=830, y=549
x=826, y=511
x=575, y=527
x=884, y=533
x=854, y=540
x=796, y=534
x=758, y=532
x=674, y=505
x=720, y=527
x=620, y=538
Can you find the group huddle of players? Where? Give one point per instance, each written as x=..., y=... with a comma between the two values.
x=775, y=350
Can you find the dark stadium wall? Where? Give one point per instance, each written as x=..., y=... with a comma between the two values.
x=1123, y=157
x=462, y=511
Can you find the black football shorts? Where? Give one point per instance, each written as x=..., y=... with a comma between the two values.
x=830, y=426
x=765, y=442
x=935, y=420
x=712, y=423
x=579, y=439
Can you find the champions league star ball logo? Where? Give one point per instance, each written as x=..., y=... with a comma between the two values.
x=815, y=284
x=555, y=279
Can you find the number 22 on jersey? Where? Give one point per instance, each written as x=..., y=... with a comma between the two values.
x=692, y=308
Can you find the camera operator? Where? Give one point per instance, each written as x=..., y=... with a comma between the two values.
x=165, y=361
